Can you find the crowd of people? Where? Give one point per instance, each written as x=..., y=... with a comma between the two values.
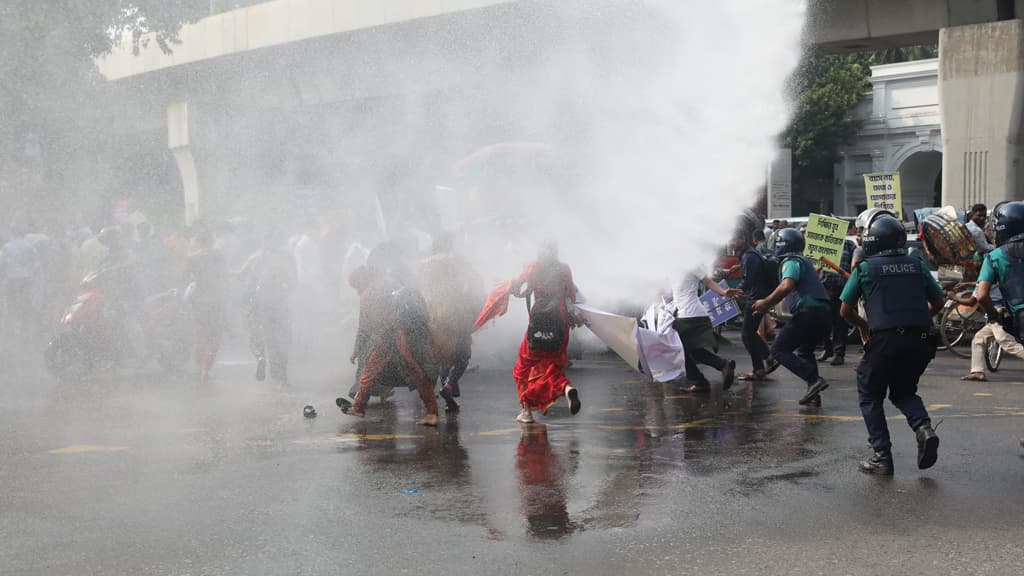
x=417, y=314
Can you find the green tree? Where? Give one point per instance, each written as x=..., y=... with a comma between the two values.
x=48, y=80
x=826, y=88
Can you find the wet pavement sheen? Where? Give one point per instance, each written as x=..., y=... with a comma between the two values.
x=149, y=474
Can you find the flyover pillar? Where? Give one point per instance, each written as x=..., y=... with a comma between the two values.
x=981, y=96
x=178, y=141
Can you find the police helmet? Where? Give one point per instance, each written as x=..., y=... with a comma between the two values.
x=864, y=219
x=788, y=241
x=884, y=236
x=1009, y=222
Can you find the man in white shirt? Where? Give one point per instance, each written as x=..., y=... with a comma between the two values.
x=695, y=331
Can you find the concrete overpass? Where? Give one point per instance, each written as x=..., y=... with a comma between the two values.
x=340, y=54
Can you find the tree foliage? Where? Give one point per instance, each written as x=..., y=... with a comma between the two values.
x=826, y=88
x=48, y=80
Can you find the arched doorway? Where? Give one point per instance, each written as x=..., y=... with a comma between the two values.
x=921, y=181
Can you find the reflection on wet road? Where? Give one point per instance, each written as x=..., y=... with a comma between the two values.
x=642, y=475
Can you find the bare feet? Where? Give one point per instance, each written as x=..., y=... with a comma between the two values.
x=428, y=420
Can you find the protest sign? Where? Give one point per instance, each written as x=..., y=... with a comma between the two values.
x=883, y=191
x=720, y=308
x=825, y=237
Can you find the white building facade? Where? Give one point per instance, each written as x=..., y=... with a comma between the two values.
x=900, y=132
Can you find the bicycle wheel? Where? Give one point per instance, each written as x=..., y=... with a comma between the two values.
x=993, y=354
x=952, y=330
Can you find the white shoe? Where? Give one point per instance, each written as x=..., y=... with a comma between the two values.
x=525, y=416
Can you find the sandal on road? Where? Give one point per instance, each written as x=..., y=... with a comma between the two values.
x=975, y=377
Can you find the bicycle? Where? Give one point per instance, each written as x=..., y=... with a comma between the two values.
x=993, y=354
x=959, y=322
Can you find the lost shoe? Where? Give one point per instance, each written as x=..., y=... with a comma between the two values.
x=927, y=447
x=879, y=463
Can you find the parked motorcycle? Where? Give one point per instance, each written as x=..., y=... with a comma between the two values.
x=93, y=335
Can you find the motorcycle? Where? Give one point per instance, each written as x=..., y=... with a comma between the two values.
x=92, y=336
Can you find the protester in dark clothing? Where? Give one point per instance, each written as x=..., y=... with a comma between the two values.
x=755, y=285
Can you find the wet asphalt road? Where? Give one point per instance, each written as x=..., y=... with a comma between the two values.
x=149, y=474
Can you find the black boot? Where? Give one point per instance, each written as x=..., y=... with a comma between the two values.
x=880, y=463
x=927, y=447
x=839, y=359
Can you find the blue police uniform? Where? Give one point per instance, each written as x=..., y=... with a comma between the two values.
x=896, y=292
x=808, y=302
x=753, y=264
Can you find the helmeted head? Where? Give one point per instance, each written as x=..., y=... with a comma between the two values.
x=1009, y=222
x=788, y=241
x=110, y=236
x=884, y=236
x=548, y=251
x=864, y=218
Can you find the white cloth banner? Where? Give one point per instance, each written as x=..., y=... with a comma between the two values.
x=658, y=353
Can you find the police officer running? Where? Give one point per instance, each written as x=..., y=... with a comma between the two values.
x=803, y=293
x=900, y=297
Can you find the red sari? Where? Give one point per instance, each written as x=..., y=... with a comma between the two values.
x=538, y=373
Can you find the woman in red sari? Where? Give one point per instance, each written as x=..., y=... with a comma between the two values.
x=544, y=350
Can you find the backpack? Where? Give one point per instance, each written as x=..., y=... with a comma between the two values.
x=769, y=274
x=548, y=326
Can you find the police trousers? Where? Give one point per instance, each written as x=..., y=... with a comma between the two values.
x=757, y=347
x=794, y=344
x=893, y=363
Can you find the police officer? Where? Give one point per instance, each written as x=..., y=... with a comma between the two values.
x=1004, y=267
x=900, y=297
x=804, y=295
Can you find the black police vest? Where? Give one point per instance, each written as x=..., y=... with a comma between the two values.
x=1012, y=286
x=899, y=298
x=809, y=283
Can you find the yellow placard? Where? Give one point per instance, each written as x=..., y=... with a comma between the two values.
x=883, y=191
x=824, y=239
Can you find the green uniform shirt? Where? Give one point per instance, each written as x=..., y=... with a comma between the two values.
x=861, y=284
x=994, y=270
x=791, y=269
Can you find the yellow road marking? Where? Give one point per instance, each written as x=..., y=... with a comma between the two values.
x=618, y=409
x=87, y=448
x=500, y=432
x=940, y=406
x=983, y=394
x=694, y=424
x=831, y=417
